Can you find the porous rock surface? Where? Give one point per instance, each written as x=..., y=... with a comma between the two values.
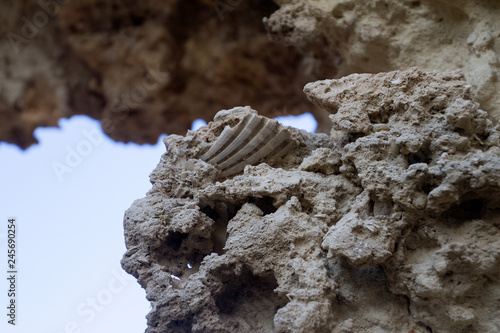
x=385, y=35
x=143, y=68
x=389, y=224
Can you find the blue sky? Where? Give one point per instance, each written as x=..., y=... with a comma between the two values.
x=68, y=194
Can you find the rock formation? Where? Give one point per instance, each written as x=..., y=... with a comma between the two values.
x=142, y=68
x=388, y=224
x=385, y=35
x=147, y=68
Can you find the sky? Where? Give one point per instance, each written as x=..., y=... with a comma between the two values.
x=68, y=195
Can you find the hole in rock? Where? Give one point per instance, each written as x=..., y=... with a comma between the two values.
x=307, y=206
x=421, y=156
x=350, y=138
x=137, y=20
x=174, y=240
x=221, y=214
x=469, y=208
x=380, y=208
x=265, y=204
x=428, y=187
x=483, y=137
x=178, y=250
x=180, y=326
x=337, y=14
x=251, y=299
x=379, y=117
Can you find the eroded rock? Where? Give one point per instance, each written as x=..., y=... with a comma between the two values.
x=148, y=68
x=142, y=68
x=381, y=36
x=388, y=224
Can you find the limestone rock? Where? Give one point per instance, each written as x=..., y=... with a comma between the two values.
x=141, y=68
x=380, y=36
x=389, y=224
x=148, y=68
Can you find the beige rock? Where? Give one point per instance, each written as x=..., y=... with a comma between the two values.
x=378, y=231
x=149, y=68
x=380, y=36
x=141, y=68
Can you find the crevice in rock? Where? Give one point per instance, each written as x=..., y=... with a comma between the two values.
x=265, y=204
x=221, y=213
x=181, y=254
x=350, y=138
x=307, y=206
x=181, y=326
x=379, y=117
x=408, y=302
x=380, y=208
x=426, y=328
x=427, y=187
x=469, y=208
x=424, y=155
x=250, y=299
x=174, y=240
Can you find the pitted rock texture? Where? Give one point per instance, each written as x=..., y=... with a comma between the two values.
x=148, y=68
x=387, y=35
x=389, y=224
x=141, y=68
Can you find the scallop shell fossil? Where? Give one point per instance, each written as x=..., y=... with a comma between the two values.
x=252, y=140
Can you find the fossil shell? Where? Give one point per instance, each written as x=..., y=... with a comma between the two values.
x=252, y=140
